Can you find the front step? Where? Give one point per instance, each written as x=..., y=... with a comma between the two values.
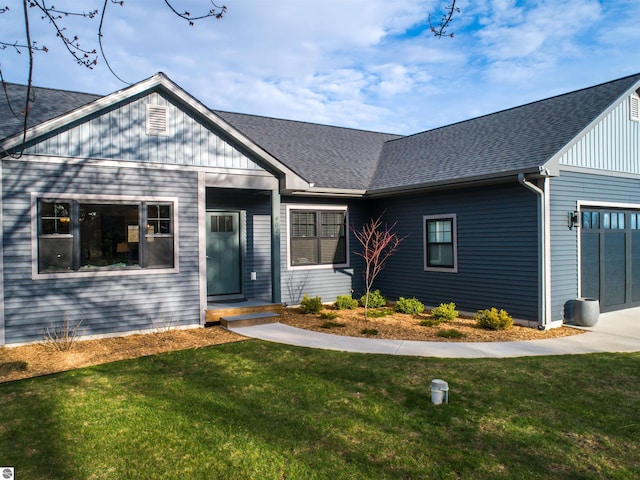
x=214, y=316
x=249, y=319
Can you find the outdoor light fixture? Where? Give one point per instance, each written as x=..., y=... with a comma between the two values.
x=574, y=219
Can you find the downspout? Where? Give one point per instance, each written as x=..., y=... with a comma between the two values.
x=545, y=247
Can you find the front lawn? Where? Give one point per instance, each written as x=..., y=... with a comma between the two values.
x=254, y=410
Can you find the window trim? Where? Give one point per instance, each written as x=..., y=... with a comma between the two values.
x=85, y=198
x=454, y=241
x=317, y=208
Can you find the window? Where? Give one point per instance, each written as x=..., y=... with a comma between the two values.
x=440, y=243
x=82, y=236
x=317, y=237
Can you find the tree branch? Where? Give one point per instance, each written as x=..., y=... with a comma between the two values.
x=439, y=30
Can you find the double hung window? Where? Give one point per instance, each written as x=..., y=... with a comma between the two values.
x=440, y=243
x=317, y=237
x=76, y=235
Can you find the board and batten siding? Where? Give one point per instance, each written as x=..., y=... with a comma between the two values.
x=104, y=304
x=119, y=133
x=612, y=144
x=497, y=246
x=567, y=190
x=325, y=282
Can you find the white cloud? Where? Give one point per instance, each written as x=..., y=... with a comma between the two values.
x=351, y=62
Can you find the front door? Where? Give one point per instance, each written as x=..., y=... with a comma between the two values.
x=224, y=259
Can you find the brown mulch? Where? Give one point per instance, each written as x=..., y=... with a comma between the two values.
x=41, y=359
x=407, y=327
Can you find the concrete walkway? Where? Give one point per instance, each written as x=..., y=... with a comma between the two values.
x=614, y=332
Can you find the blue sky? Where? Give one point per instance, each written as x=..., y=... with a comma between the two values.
x=368, y=64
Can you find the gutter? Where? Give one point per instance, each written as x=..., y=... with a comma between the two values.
x=544, y=320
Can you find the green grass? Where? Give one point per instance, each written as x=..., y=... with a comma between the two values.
x=253, y=410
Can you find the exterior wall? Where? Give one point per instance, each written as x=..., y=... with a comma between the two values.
x=566, y=191
x=325, y=282
x=104, y=304
x=613, y=144
x=120, y=133
x=257, y=239
x=497, y=245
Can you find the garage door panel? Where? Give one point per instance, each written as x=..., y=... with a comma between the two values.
x=590, y=266
x=614, y=265
x=635, y=266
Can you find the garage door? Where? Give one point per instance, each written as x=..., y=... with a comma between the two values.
x=610, y=257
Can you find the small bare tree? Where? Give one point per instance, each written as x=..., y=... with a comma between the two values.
x=379, y=242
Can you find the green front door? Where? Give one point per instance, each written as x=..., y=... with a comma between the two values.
x=224, y=260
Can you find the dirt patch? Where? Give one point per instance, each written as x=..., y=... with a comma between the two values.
x=38, y=359
x=408, y=327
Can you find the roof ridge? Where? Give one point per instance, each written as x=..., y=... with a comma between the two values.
x=546, y=99
x=216, y=111
x=55, y=89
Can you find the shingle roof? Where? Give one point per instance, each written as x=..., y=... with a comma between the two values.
x=47, y=104
x=329, y=157
x=519, y=139
x=515, y=140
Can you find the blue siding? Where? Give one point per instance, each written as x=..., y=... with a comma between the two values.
x=326, y=283
x=103, y=304
x=566, y=191
x=120, y=133
x=497, y=250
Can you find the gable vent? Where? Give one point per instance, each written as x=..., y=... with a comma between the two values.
x=157, y=120
x=634, y=108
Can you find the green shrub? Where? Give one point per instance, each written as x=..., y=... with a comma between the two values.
x=430, y=322
x=450, y=333
x=409, y=305
x=328, y=315
x=369, y=331
x=445, y=312
x=376, y=299
x=385, y=312
x=492, y=319
x=330, y=324
x=311, y=305
x=345, y=302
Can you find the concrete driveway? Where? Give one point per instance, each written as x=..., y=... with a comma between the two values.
x=614, y=332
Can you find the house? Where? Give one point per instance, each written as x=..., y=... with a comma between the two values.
x=145, y=207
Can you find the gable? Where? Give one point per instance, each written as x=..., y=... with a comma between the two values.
x=123, y=132
x=612, y=143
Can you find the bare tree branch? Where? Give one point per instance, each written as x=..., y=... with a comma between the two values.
x=378, y=243
x=439, y=30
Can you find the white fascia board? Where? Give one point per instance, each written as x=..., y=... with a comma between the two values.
x=553, y=162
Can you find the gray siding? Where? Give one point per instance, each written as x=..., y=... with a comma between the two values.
x=104, y=304
x=326, y=283
x=612, y=144
x=566, y=191
x=120, y=133
x=257, y=241
x=497, y=250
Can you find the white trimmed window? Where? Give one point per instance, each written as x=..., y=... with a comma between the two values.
x=317, y=236
x=78, y=235
x=440, y=243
